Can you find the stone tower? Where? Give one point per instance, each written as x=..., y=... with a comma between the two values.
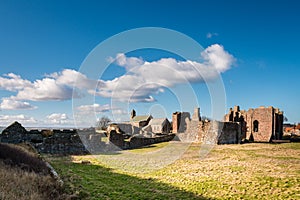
x=133, y=114
x=196, y=115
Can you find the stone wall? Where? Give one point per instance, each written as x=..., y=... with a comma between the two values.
x=180, y=121
x=76, y=142
x=135, y=141
x=208, y=132
x=230, y=134
x=264, y=129
x=66, y=141
x=262, y=124
x=61, y=143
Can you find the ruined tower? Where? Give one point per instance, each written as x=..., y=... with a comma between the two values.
x=196, y=115
x=132, y=114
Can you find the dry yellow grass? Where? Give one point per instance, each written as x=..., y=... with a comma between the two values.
x=18, y=180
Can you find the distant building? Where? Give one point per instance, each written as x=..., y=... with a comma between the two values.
x=160, y=125
x=139, y=121
x=291, y=128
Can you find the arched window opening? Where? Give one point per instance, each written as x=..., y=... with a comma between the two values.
x=255, y=126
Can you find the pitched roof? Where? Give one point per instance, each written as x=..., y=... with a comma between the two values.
x=141, y=118
x=158, y=121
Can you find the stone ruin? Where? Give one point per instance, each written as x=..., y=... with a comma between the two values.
x=123, y=140
x=46, y=141
x=14, y=133
x=75, y=141
x=209, y=132
x=263, y=124
x=258, y=125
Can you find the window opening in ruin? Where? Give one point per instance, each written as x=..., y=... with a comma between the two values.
x=255, y=126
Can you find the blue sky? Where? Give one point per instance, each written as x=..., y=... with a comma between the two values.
x=42, y=42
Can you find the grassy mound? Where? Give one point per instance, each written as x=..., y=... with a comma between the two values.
x=17, y=156
x=24, y=176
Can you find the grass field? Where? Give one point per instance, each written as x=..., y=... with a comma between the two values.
x=248, y=171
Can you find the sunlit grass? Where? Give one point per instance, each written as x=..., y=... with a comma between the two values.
x=249, y=171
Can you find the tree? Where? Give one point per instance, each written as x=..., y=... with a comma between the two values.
x=103, y=123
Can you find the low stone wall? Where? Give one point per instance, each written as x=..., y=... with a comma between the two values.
x=231, y=133
x=75, y=142
x=135, y=142
x=62, y=143
x=67, y=141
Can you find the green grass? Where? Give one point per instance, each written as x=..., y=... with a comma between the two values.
x=98, y=182
x=150, y=148
x=249, y=171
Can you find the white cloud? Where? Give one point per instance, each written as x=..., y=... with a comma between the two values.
x=143, y=79
x=97, y=108
x=58, y=118
x=127, y=62
x=46, y=89
x=5, y=120
x=54, y=87
x=12, y=104
x=210, y=35
x=13, y=82
x=94, y=108
x=69, y=77
x=217, y=57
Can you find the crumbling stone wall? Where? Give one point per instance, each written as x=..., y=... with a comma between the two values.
x=180, y=121
x=230, y=134
x=262, y=124
x=209, y=132
x=116, y=139
x=62, y=143
x=14, y=133
x=66, y=141
x=135, y=141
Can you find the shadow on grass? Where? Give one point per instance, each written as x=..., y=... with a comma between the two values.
x=97, y=182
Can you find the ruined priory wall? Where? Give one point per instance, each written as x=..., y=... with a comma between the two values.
x=264, y=116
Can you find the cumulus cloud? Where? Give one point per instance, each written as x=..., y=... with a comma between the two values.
x=143, y=79
x=97, y=108
x=45, y=90
x=13, y=82
x=54, y=87
x=5, y=120
x=58, y=118
x=69, y=77
x=12, y=104
x=140, y=83
x=127, y=62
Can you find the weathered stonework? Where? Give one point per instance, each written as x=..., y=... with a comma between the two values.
x=50, y=141
x=135, y=142
x=116, y=139
x=180, y=121
x=208, y=132
x=262, y=124
x=14, y=133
